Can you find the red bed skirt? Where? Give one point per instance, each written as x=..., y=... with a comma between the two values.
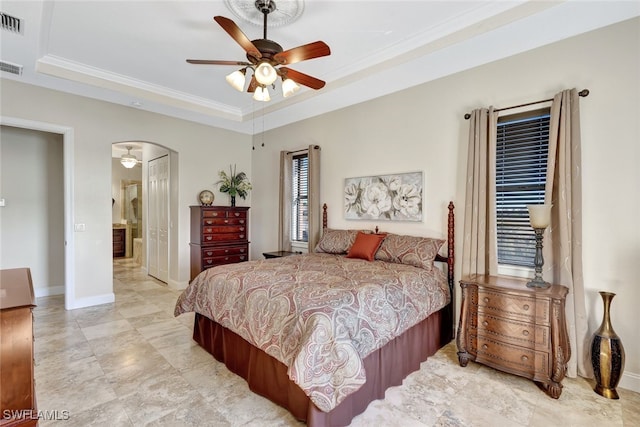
x=267, y=376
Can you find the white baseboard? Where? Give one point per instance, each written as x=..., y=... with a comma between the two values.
x=630, y=381
x=91, y=301
x=174, y=284
x=48, y=291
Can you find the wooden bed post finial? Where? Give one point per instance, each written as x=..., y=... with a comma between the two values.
x=324, y=216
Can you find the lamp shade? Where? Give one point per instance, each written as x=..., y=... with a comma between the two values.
x=266, y=74
x=539, y=215
x=289, y=87
x=261, y=94
x=236, y=80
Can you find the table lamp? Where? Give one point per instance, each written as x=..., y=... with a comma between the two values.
x=539, y=217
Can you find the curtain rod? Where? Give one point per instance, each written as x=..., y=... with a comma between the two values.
x=305, y=149
x=583, y=93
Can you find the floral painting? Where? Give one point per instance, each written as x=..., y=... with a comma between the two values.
x=395, y=197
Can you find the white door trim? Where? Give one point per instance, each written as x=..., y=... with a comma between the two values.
x=69, y=238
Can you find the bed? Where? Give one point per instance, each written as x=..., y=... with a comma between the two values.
x=323, y=334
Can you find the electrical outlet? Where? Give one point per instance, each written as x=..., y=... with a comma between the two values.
x=2, y=203
x=80, y=227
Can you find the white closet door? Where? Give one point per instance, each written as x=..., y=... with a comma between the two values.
x=152, y=221
x=163, y=219
x=159, y=218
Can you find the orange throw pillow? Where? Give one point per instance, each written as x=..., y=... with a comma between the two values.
x=365, y=246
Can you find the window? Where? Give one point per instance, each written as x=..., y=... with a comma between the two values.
x=300, y=199
x=521, y=168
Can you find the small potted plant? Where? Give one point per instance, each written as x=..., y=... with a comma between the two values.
x=234, y=184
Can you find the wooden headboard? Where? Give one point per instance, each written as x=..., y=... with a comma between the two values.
x=449, y=260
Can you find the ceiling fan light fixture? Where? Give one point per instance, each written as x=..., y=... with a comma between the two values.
x=289, y=87
x=266, y=74
x=128, y=160
x=261, y=94
x=237, y=79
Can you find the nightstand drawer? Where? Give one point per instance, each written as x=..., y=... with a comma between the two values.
x=518, y=307
x=512, y=358
x=513, y=332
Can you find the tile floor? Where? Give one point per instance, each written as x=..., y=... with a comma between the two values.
x=132, y=363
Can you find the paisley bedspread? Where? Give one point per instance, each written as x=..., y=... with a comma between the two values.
x=319, y=314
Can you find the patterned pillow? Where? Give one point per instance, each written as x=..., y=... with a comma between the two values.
x=337, y=241
x=411, y=250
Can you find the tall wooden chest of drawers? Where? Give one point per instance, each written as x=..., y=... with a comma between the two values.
x=516, y=329
x=219, y=235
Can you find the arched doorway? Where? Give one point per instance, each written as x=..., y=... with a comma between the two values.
x=142, y=210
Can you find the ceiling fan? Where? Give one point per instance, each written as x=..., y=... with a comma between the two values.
x=266, y=59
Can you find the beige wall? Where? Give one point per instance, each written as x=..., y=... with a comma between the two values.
x=422, y=129
x=95, y=125
x=31, y=182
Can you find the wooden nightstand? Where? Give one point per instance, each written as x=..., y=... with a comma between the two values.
x=279, y=254
x=520, y=330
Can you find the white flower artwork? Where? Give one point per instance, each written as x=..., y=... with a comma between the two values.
x=395, y=197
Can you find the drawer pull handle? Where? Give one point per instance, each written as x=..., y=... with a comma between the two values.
x=209, y=253
x=215, y=214
x=226, y=258
x=242, y=257
x=242, y=250
x=486, y=299
x=524, y=358
x=241, y=228
x=241, y=236
x=526, y=306
x=525, y=333
x=226, y=251
x=484, y=346
x=237, y=213
x=485, y=323
x=242, y=221
x=226, y=221
x=208, y=237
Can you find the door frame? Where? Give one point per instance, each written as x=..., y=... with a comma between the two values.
x=68, y=168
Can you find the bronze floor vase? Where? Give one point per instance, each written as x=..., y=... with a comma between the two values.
x=607, y=354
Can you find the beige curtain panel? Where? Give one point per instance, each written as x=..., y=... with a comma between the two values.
x=563, y=241
x=479, y=245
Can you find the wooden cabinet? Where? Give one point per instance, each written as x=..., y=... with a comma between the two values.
x=119, y=241
x=17, y=383
x=219, y=235
x=520, y=330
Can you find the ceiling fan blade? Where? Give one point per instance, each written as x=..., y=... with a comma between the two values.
x=302, y=53
x=236, y=33
x=253, y=84
x=301, y=78
x=215, y=62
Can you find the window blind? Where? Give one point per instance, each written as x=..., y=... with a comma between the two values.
x=522, y=147
x=300, y=198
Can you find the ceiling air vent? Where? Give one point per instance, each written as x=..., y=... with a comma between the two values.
x=11, y=68
x=11, y=23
